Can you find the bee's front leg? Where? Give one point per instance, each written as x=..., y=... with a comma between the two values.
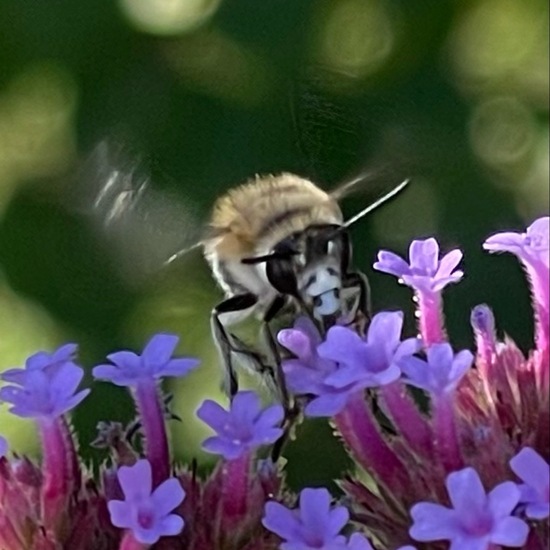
x=361, y=311
x=291, y=410
x=226, y=313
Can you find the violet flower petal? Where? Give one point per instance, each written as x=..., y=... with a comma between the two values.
x=146, y=515
x=129, y=369
x=534, y=471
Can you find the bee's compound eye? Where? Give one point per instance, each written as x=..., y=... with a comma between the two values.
x=331, y=247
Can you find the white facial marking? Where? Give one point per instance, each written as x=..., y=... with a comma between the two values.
x=330, y=303
x=324, y=282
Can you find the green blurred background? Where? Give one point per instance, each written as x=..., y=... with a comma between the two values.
x=206, y=93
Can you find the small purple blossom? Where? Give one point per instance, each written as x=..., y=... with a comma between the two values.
x=371, y=361
x=531, y=247
x=476, y=519
x=314, y=525
x=425, y=272
x=43, y=392
x=146, y=513
x=441, y=373
x=42, y=360
x=3, y=446
x=306, y=373
x=155, y=362
x=534, y=471
x=344, y=363
x=241, y=428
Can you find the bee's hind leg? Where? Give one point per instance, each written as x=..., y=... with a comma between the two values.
x=226, y=313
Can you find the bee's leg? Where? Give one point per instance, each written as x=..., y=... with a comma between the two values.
x=270, y=341
x=224, y=314
x=359, y=281
x=291, y=411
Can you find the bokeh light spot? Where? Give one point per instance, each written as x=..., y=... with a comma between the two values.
x=168, y=17
x=215, y=64
x=37, y=137
x=356, y=38
x=502, y=45
x=502, y=130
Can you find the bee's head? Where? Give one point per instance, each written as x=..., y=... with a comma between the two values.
x=309, y=265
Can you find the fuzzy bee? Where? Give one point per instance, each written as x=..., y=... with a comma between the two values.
x=275, y=242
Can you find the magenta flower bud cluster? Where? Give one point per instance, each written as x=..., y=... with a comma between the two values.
x=456, y=449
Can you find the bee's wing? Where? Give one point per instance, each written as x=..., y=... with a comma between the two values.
x=141, y=226
x=339, y=140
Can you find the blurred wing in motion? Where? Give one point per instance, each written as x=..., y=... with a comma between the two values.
x=339, y=141
x=141, y=226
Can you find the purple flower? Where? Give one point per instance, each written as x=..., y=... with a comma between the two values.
x=243, y=427
x=371, y=361
x=145, y=512
x=314, y=525
x=155, y=362
x=476, y=520
x=3, y=446
x=49, y=362
x=441, y=373
x=534, y=471
x=426, y=272
x=306, y=373
x=345, y=363
x=47, y=391
x=531, y=247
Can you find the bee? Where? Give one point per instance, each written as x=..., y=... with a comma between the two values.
x=276, y=241
x=273, y=244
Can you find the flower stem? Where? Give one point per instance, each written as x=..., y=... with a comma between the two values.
x=361, y=434
x=128, y=542
x=60, y=477
x=235, y=476
x=430, y=317
x=152, y=418
x=446, y=438
x=539, y=277
x=406, y=417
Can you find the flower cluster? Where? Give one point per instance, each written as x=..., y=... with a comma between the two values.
x=454, y=454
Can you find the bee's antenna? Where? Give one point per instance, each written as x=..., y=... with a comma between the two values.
x=181, y=253
x=376, y=204
x=267, y=257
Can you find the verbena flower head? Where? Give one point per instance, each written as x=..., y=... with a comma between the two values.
x=534, y=471
x=146, y=512
x=425, y=271
x=315, y=524
x=243, y=427
x=47, y=390
x=442, y=371
x=344, y=363
x=531, y=247
x=155, y=362
x=476, y=519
